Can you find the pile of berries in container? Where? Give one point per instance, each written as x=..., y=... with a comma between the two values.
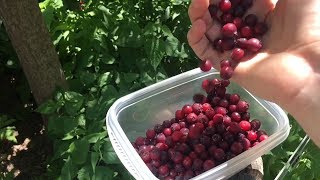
x=216, y=127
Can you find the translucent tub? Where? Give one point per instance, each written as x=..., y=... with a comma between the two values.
x=131, y=115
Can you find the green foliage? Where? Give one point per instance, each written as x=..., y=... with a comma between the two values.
x=108, y=50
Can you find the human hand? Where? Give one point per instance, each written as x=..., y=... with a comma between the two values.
x=286, y=70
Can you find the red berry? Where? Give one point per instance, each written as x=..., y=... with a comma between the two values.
x=208, y=164
x=206, y=106
x=238, y=22
x=176, y=136
x=140, y=141
x=197, y=164
x=235, y=116
x=175, y=127
x=224, y=63
x=220, y=110
x=246, y=32
x=237, y=54
x=197, y=108
x=242, y=42
x=199, y=148
x=254, y=45
x=229, y=30
x=206, y=85
x=161, y=138
x=187, y=162
x=226, y=72
x=242, y=106
x=186, y=109
x=228, y=44
x=232, y=108
x=167, y=131
x=226, y=120
x=246, y=143
x=226, y=18
x=236, y=148
x=192, y=118
x=150, y=133
x=179, y=114
x=163, y=170
x=219, y=154
x=252, y=136
x=260, y=28
x=225, y=5
x=255, y=124
x=205, y=65
x=245, y=125
x=263, y=137
x=234, y=98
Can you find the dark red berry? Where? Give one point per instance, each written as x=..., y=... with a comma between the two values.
x=245, y=116
x=234, y=99
x=223, y=103
x=238, y=22
x=232, y=108
x=255, y=124
x=213, y=9
x=235, y=116
x=179, y=114
x=202, y=118
x=216, y=138
x=219, y=154
x=140, y=141
x=210, y=113
x=162, y=146
x=166, y=124
x=176, y=136
x=155, y=154
x=216, y=82
x=246, y=32
x=221, y=110
x=192, y=118
x=163, y=170
x=199, y=148
x=225, y=5
x=145, y=156
x=206, y=85
x=255, y=143
x=224, y=145
x=234, y=128
x=187, y=162
x=225, y=63
x=179, y=168
x=167, y=131
x=236, y=148
x=246, y=143
x=242, y=42
x=251, y=20
x=226, y=72
x=208, y=164
x=199, y=98
x=229, y=30
x=194, y=131
x=205, y=65
x=225, y=83
x=254, y=45
x=217, y=44
x=246, y=3
x=226, y=18
x=197, y=164
x=242, y=106
x=260, y=28
x=197, y=108
x=228, y=136
x=261, y=132
x=175, y=127
x=150, y=133
x=226, y=120
x=237, y=54
x=228, y=44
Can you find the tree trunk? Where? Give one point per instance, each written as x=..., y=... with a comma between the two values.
x=31, y=40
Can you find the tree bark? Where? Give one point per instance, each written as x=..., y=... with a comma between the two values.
x=252, y=172
x=31, y=40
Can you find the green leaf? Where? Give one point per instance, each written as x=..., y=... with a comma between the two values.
x=93, y=138
x=104, y=79
x=48, y=16
x=103, y=173
x=109, y=156
x=48, y=107
x=94, y=159
x=8, y=133
x=129, y=35
x=108, y=59
x=130, y=77
x=87, y=78
x=155, y=49
x=68, y=171
x=5, y=121
x=79, y=151
x=171, y=45
x=69, y=123
x=73, y=103
x=84, y=173
x=56, y=125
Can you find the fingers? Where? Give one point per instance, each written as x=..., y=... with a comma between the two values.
x=198, y=9
x=261, y=8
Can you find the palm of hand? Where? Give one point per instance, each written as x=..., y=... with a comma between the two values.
x=285, y=63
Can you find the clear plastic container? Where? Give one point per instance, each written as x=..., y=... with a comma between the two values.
x=131, y=115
